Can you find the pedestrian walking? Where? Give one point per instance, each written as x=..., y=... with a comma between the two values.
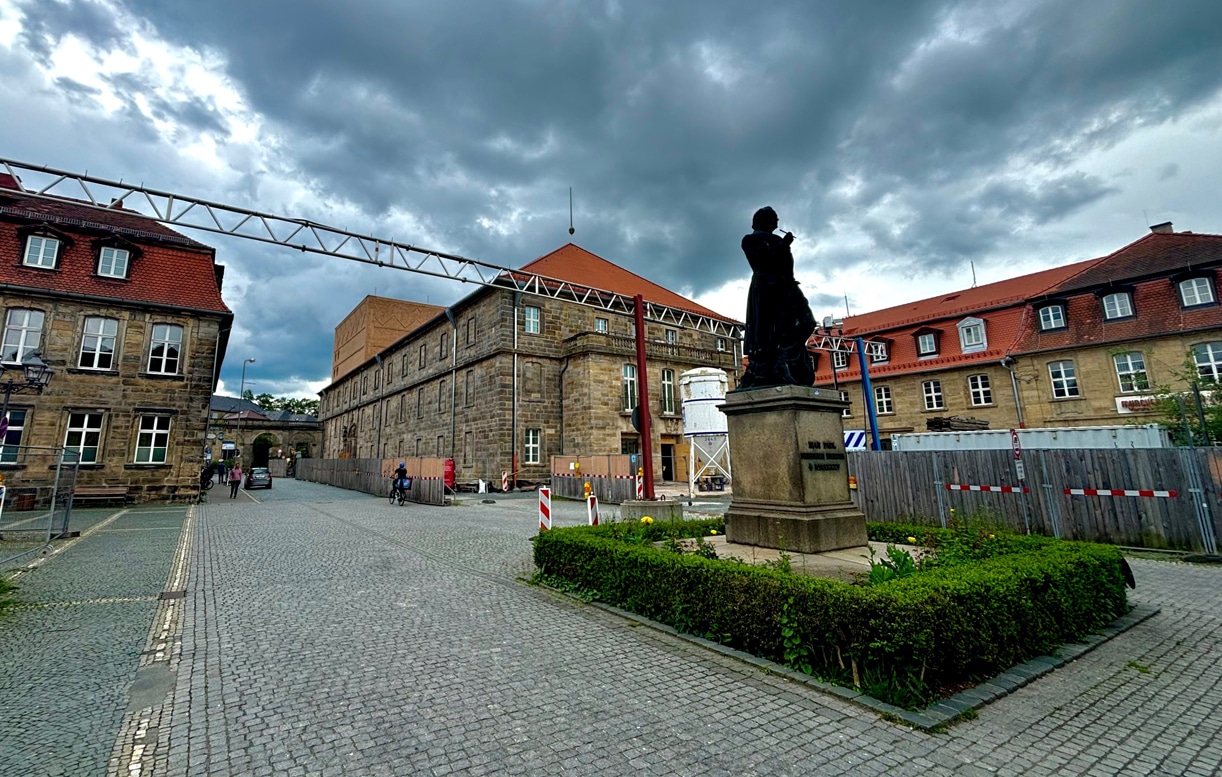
x=235, y=480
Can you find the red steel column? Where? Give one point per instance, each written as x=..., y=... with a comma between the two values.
x=643, y=394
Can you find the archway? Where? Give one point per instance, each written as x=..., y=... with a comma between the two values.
x=261, y=448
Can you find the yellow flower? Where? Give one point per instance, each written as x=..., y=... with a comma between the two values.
x=646, y=519
x=712, y=531
x=912, y=540
x=990, y=536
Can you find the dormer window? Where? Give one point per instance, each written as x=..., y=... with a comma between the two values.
x=840, y=360
x=1196, y=291
x=927, y=342
x=971, y=335
x=1117, y=305
x=1052, y=317
x=879, y=352
x=41, y=251
x=112, y=262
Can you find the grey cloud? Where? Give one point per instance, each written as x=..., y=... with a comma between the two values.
x=1168, y=171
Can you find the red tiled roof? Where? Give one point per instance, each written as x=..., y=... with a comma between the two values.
x=1154, y=254
x=172, y=270
x=575, y=264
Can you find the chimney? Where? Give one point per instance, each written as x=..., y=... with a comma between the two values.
x=1164, y=228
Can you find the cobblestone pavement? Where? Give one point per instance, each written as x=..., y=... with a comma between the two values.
x=329, y=633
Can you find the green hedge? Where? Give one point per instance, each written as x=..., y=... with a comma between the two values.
x=908, y=641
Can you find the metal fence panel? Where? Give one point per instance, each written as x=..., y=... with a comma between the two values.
x=372, y=476
x=37, y=505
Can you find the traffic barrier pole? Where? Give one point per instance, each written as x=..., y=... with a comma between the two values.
x=545, y=508
x=592, y=509
x=504, y=481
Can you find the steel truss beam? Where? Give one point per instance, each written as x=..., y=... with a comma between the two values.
x=181, y=211
x=842, y=344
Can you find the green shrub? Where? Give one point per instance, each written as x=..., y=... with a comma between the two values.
x=986, y=606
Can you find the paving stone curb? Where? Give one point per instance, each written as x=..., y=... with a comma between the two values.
x=936, y=716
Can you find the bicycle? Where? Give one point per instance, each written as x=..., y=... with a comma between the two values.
x=397, y=492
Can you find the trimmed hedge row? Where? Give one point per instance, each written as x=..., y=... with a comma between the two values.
x=907, y=641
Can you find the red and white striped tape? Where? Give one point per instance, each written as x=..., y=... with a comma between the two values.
x=998, y=489
x=504, y=480
x=592, y=509
x=545, y=508
x=1120, y=492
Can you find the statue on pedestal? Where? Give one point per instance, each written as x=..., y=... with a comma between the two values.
x=778, y=318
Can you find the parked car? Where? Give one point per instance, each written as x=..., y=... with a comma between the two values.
x=259, y=477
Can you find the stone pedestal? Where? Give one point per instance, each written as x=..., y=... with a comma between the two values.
x=661, y=510
x=791, y=488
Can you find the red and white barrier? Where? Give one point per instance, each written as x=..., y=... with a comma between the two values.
x=504, y=481
x=592, y=509
x=1119, y=492
x=545, y=508
x=640, y=487
x=995, y=489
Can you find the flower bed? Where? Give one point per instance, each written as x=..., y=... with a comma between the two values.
x=988, y=602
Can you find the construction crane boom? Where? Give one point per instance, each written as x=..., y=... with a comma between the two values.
x=183, y=211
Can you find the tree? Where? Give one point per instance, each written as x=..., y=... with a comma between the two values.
x=290, y=404
x=1182, y=411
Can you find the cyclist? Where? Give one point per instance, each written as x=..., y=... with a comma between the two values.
x=400, y=479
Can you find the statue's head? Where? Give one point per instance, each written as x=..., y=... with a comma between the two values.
x=765, y=218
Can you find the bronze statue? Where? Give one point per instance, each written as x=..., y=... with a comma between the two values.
x=779, y=320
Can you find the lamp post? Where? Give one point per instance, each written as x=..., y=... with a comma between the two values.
x=37, y=376
x=241, y=399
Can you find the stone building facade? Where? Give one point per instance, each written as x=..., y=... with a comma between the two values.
x=240, y=428
x=129, y=316
x=1078, y=345
x=503, y=379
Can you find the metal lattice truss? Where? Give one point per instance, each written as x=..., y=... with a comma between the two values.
x=180, y=211
x=874, y=349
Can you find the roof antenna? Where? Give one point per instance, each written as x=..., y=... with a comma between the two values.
x=846, y=306
x=571, y=230
x=973, y=264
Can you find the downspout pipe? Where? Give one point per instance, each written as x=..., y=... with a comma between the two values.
x=1009, y=362
x=563, y=369
x=453, y=376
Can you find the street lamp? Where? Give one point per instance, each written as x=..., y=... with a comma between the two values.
x=37, y=376
x=241, y=399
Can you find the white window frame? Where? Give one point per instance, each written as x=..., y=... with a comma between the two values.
x=1131, y=372
x=972, y=335
x=981, y=390
x=1121, y=304
x=721, y=344
x=85, y=436
x=602, y=325
x=1208, y=359
x=1064, y=376
x=10, y=442
x=927, y=344
x=21, y=333
x=931, y=390
x=532, y=320
x=1196, y=291
x=848, y=411
x=881, y=354
x=1052, y=317
x=153, y=439
x=113, y=262
x=159, y=365
x=668, y=392
x=98, y=333
x=532, y=446
x=628, y=392
x=883, y=403
x=840, y=360
x=671, y=336
x=36, y=253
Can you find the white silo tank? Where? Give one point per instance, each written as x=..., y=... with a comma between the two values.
x=704, y=425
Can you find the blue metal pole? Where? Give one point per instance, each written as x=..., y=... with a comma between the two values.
x=867, y=394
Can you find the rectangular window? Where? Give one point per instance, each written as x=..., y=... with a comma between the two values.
x=1118, y=305
x=402, y=409
x=22, y=333
x=403, y=366
x=423, y=356
x=972, y=336
x=84, y=435
x=377, y=380
x=882, y=400
x=534, y=446
x=1208, y=358
x=629, y=387
x=441, y=396
x=600, y=325
x=41, y=252
x=113, y=262
x=629, y=444
x=1064, y=380
x=1196, y=291
x=468, y=447
x=12, y=438
x=420, y=402
x=878, y=353
x=982, y=393
x=443, y=348
x=848, y=411
x=1052, y=317
x=166, y=350
x=932, y=389
x=469, y=388
x=419, y=441
x=672, y=336
x=1131, y=372
x=471, y=330
x=441, y=445
x=668, y=392
x=721, y=344
x=98, y=343
x=530, y=320
x=927, y=344
x=364, y=385
x=153, y=439
x=840, y=360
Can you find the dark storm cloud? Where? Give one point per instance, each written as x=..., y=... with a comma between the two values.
x=46, y=22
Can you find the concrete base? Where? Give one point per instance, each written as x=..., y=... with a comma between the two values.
x=801, y=529
x=660, y=510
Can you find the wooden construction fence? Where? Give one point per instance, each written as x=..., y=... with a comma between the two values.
x=372, y=476
x=895, y=486
x=611, y=476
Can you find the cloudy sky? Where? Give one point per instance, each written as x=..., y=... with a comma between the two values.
x=899, y=140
